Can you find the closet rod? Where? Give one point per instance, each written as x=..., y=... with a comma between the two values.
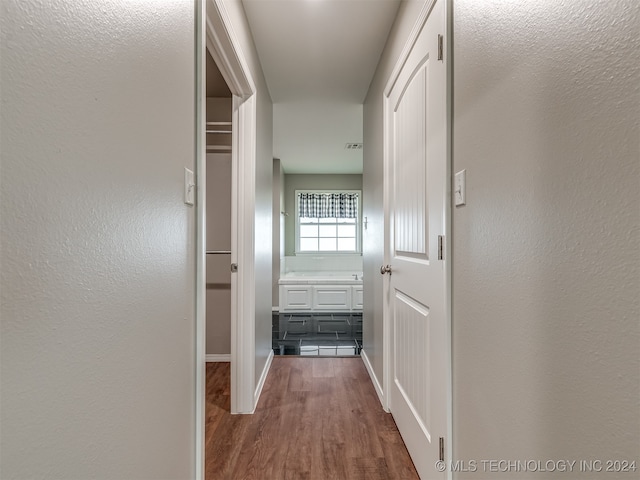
x=218, y=252
x=219, y=123
x=219, y=131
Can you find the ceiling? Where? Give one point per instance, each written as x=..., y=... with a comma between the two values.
x=318, y=58
x=310, y=137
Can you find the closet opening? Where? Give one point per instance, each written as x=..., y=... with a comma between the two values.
x=218, y=215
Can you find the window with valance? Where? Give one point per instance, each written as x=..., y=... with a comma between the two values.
x=327, y=222
x=328, y=205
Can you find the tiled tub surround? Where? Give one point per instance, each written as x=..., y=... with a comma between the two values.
x=341, y=263
x=322, y=277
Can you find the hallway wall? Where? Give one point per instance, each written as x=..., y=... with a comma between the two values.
x=547, y=250
x=97, y=289
x=278, y=229
x=264, y=178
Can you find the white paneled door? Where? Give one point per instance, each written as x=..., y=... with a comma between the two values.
x=416, y=189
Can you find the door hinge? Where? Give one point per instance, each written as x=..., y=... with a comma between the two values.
x=440, y=47
x=440, y=247
x=442, y=449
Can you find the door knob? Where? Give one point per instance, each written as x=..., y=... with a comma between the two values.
x=385, y=269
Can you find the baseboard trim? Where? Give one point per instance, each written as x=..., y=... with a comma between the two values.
x=263, y=378
x=218, y=357
x=374, y=379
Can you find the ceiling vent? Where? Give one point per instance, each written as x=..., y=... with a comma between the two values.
x=353, y=146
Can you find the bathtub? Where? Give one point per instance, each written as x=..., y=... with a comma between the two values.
x=321, y=291
x=321, y=278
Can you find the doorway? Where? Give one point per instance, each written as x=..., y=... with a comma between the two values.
x=318, y=291
x=417, y=212
x=318, y=272
x=217, y=39
x=218, y=186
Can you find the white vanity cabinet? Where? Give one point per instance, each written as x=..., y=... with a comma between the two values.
x=336, y=298
x=357, y=297
x=320, y=293
x=296, y=297
x=332, y=297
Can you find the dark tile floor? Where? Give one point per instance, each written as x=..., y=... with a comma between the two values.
x=323, y=334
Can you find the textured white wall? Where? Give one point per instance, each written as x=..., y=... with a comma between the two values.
x=264, y=177
x=278, y=228
x=546, y=251
x=97, y=275
x=264, y=224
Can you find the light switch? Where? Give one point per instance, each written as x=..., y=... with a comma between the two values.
x=459, y=187
x=189, y=187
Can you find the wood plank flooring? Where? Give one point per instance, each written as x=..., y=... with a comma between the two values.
x=317, y=419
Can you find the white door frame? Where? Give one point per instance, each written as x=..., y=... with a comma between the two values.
x=225, y=50
x=386, y=322
x=215, y=33
x=201, y=246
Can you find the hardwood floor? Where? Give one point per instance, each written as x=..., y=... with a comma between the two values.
x=318, y=418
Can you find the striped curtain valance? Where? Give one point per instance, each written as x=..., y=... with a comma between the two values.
x=328, y=205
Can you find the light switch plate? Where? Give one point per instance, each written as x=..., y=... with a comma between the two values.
x=459, y=188
x=189, y=187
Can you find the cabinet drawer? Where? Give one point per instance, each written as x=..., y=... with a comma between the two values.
x=332, y=298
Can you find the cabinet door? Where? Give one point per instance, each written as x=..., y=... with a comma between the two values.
x=332, y=297
x=295, y=297
x=357, y=298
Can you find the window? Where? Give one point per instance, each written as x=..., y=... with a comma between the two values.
x=327, y=222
